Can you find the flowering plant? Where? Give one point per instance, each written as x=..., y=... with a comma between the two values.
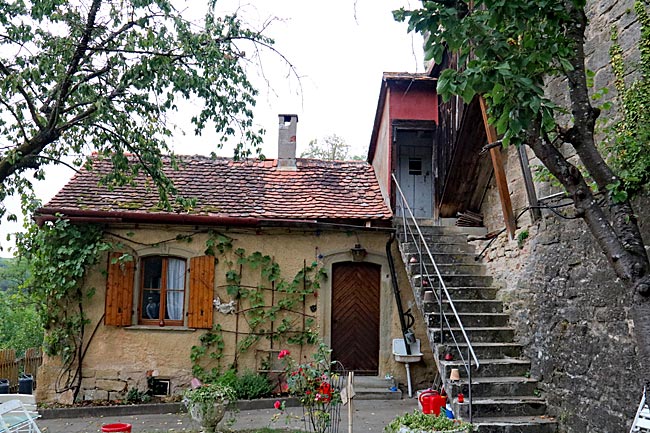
x=313, y=384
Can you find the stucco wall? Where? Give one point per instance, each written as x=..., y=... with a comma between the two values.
x=381, y=161
x=119, y=358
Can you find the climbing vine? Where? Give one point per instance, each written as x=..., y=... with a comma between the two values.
x=60, y=254
x=629, y=150
x=284, y=320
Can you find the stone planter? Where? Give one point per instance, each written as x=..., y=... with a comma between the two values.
x=208, y=415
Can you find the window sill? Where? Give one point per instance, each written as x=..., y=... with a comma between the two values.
x=159, y=328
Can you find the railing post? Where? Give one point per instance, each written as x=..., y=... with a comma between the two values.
x=421, y=267
x=442, y=329
x=469, y=382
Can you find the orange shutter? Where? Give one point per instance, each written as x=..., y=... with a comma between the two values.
x=199, y=313
x=119, y=291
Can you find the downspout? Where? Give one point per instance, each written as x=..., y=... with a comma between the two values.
x=406, y=332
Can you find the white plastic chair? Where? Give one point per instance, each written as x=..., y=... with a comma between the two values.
x=642, y=420
x=16, y=416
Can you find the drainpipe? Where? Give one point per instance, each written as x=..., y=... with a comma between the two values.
x=406, y=332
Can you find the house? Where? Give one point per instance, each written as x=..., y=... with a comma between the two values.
x=273, y=254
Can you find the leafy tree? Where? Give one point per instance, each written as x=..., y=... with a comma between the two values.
x=332, y=148
x=107, y=76
x=510, y=49
x=20, y=327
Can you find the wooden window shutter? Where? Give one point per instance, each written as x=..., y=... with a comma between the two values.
x=119, y=291
x=199, y=313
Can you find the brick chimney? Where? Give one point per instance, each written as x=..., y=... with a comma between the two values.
x=287, y=124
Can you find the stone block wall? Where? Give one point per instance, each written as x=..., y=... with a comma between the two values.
x=570, y=310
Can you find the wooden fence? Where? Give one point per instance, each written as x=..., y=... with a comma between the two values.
x=12, y=367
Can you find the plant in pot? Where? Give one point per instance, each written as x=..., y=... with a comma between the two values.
x=207, y=404
x=418, y=422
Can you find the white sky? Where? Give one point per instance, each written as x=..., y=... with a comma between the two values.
x=339, y=48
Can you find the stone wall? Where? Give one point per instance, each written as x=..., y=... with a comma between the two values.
x=569, y=309
x=570, y=312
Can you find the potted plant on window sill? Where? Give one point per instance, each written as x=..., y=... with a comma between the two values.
x=418, y=422
x=207, y=404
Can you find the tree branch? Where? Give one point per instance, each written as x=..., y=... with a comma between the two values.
x=30, y=103
x=585, y=203
x=581, y=136
x=73, y=67
x=15, y=116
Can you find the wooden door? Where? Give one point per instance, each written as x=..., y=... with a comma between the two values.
x=355, y=316
x=414, y=171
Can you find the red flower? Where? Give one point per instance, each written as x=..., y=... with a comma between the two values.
x=277, y=405
x=325, y=389
x=283, y=353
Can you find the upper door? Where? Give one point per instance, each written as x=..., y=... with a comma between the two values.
x=355, y=316
x=414, y=175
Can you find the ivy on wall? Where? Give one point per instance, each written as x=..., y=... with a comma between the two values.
x=630, y=143
x=284, y=319
x=60, y=254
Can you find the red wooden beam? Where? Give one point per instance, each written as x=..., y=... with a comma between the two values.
x=499, y=173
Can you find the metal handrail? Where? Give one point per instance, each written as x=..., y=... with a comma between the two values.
x=424, y=272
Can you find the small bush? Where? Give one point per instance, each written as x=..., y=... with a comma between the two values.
x=251, y=385
x=136, y=396
x=229, y=378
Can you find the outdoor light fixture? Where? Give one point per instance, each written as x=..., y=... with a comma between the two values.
x=455, y=375
x=358, y=253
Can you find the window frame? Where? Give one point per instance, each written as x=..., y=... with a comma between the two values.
x=139, y=311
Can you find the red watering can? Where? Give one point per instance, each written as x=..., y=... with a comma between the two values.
x=432, y=401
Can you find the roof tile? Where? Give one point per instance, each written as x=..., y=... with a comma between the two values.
x=249, y=188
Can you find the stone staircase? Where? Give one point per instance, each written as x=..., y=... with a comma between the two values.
x=505, y=398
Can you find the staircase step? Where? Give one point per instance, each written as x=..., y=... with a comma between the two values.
x=494, y=386
x=443, y=258
x=474, y=305
x=437, y=238
x=455, y=280
x=447, y=269
x=454, y=248
x=501, y=407
x=483, y=350
x=475, y=335
x=487, y=293
x=373, y=381
x=375, y=388
x=469, y=319
x=468, y=300
x=431, y=229
x=362, y=393
x=503, y=367
x=515, y=424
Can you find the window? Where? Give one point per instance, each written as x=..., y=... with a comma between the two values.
x=170, y=291
x=415, y=166
x=162, y=291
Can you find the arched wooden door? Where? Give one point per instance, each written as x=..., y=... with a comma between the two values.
x=355, y=316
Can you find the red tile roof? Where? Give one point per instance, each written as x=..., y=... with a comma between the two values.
x=316, y=190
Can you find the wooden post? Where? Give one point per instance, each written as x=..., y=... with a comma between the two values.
x=350, y=397
x=499, y=173
x=535, y=212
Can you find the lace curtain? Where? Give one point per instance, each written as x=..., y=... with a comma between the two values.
x=175, y=288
